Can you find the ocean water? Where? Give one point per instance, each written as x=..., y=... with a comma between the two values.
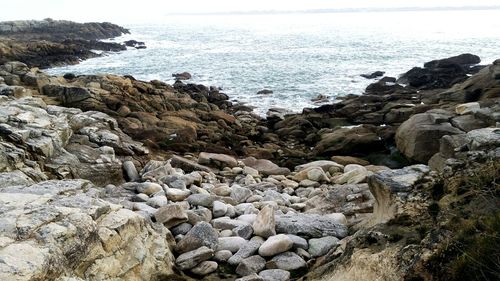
x=298, y=56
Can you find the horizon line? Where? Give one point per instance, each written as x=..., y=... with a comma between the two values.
x=342, y=10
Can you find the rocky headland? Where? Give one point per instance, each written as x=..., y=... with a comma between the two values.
x=48, y=43
x=105, y=177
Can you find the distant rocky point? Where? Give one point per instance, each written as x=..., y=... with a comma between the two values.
x=48, y=43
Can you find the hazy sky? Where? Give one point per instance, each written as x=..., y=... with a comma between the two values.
x=123, y=11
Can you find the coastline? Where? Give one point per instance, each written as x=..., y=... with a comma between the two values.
x=101, y=172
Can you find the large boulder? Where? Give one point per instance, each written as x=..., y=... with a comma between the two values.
x=418, y=137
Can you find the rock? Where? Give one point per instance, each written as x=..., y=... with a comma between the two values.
x=245, y=251
x=264, y=92
x=250, y=265
x=218, y=160
x=240, y=194
x=275, y=244
x=484, y=139
x=310, y=225
x=265, y=166
x=181, y=229
x=182, y=76
x=177, y=195
x=372, y=75
x=353, y=174
x=349, y=141
x=275, y=275
x=130, y=171
x=287, y=261
x=264, y=224
x=418, y=137
x=148, y=188
x=187, y=165
x=320, y=246
x=251, y=277
x=222, y=256
x=191, y=259
x=222, y=190
x=202, y=234
x=298, y=242
x=320, y=98
x=157, y=201
x=227, y=223
x=250, y=171
x=219, y=209
x=243, y=231
x=171, y=215
x=232, y=244
x=466, y=108
x=346, y=160
x=205, y=268
x=202, y=199
x=317, y=174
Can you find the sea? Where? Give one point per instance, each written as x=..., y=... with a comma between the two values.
x=297, y=56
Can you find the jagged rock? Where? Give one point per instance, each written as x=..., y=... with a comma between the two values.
x=310, y=225
x=245, y=251
x=250, y=265
x=264, y=224
x=202, y=234
x=171, y=215
x=243, y=231
x=240, y=194
x=251, y=277
x=191, y=259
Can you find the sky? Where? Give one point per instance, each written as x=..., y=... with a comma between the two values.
x=125, y=11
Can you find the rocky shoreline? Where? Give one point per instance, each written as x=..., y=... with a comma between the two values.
x=49, y=43
x=105, y=177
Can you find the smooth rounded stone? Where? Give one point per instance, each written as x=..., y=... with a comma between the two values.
x=148, y=188
x=219, y=209
x=275, y=275
x=237, y=170
x=232, y=244
x=143, y=207
x=251, y=277
x=205, y=200
x=220, y=160
x=249, y=218
x=264, y=224
x=141, y=197
x=202, y=234
x=250, y=171
x=177, y=195
x=246, y=251
x=243, y=231
x=254, y=198
x=317, y=174
x=250, y=265
x=205, y=268
x=321, y=246
x=240, y=194
x=198, y=215
x=346, y=160
x=182, y=228
x=287, y=261
x=222, y=190
x=226, y=233
x=171, y=215
x=309, y=183
x=298, y=206
x=465, y=108
x=353, y=174
x=191, y=259
x=130, y=171
x=157, y=201
x=298, y=242
x=275, y=244
x=303, y=253
x=222, y=256
x=323, y=164
x=227, y=223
